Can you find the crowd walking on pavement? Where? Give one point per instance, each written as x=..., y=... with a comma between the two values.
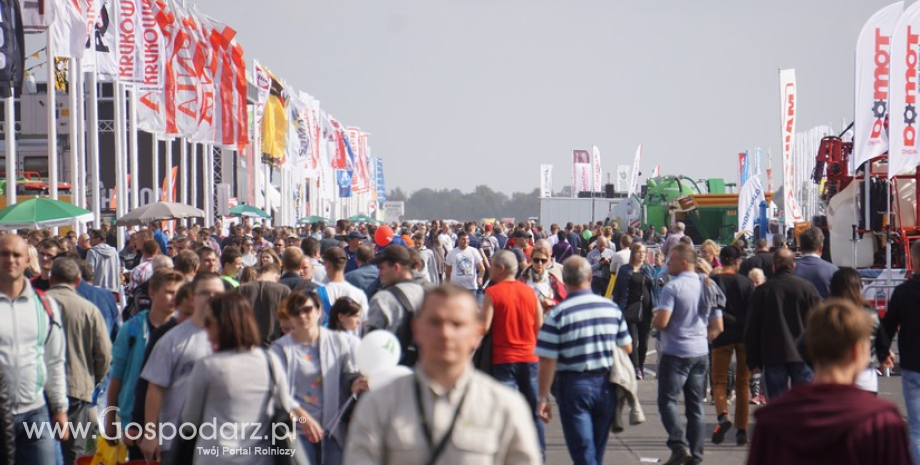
x=501, y=328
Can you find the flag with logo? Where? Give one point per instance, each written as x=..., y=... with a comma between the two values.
x=74, y=20
x=139, y=45
x=873, y=62
x=749, y=204
x=789, y=102
x=12, y=47
x=598, y=173
x=581, y=161
x=903, y=154
x=99, y=56
x=634, y=174
x=381, y=182
x=274, y=124
x=298, y=133
x=546, y=181
x=344, y=179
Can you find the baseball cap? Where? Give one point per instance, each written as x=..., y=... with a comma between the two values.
x=395, y=254
x=356, y=235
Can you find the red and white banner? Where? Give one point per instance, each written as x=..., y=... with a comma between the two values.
x=74, y=21
x=634, y=175
x=581, y=161
x=903, y=155
x=140, y=47
x=363, y=182
x=656, y=173
x=789, y=97
x=873, y=62
x=596, y=169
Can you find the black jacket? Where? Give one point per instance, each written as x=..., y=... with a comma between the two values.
x=738, y=290
x=902, y=312
x=7, y=437
x=762, y=260
x=776, y=319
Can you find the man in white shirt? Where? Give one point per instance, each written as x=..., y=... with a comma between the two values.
x=464, y=264
x=622, y=257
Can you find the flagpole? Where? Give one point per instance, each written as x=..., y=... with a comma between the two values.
x=183, y=174
x=167, y=169
x=133, y=149
x=155, y=168
x=193, y=175
x=10, y=129
x=74, y=135
x=267, y=173
x=207, y=168
x=81, y=136
x=52, y=122
x=121, y=176
x=93, y=145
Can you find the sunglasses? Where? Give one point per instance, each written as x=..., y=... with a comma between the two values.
x=541, y=260
x=303, y=309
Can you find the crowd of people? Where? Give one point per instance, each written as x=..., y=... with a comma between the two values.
x=501, y=322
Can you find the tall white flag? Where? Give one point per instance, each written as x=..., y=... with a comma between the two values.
x=789, y=103
x=598, y=176
x=622, y=178
x=873, y=62
x=74, y=21
x=749, y=204
x=581, y=161
x=903, y=156
x=634, y=176
x=546, y=181
x=140, y=47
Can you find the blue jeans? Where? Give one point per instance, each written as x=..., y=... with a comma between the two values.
x=587, y=404
x=40, y=448
x=687, y=375
x=910, y=383
x=777, y=377
x=523, y=378
x=327, y=452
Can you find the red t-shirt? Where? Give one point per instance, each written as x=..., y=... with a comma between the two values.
x=513, y=335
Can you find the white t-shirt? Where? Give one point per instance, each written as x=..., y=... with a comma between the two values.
x=463, y=267
x=619, y=259
x=345, y=289
x=447, y=241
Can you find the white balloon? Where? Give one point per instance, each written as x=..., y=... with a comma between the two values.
x=377, y=351
x=381, y=378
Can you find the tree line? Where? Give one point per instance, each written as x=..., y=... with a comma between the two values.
x=482, y=202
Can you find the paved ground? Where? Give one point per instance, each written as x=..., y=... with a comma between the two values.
x=647, y=441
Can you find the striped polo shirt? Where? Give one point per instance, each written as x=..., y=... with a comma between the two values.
x=581, y=333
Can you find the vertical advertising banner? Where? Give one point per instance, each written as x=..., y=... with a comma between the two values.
x=634, y=175
x=381, y=182
x=749, y=204
x=343, y=179
x=598, y=173
x=903, y=156
x=139, y=49
x=546, y=181
x=12, y=46
x=622, y=178
x=789, y=97
x=873, y=70
x=581, y=160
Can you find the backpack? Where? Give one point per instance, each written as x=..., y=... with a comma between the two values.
x=46, y=304
x=404, y=330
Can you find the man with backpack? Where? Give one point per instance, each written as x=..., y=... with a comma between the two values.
x=393, y=307
x=32, y=348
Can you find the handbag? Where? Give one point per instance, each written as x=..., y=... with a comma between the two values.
x=633, y=313
x=278, y=416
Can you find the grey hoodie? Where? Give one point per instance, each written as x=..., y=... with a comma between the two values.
x=31, y=355
x=106, y=265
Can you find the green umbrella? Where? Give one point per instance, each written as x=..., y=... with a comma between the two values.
x=248, y=210
x=314, y=219
x=361, y=219
x=42, y=213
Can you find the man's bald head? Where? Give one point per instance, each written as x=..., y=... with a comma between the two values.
x=783, y=259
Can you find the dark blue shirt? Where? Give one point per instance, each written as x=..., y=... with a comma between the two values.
x=104, y=301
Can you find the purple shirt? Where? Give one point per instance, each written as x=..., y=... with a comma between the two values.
x=562, y=251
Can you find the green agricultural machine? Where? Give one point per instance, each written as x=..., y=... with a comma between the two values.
x=710, y=213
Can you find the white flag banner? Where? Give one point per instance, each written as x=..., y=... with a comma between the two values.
x=100, y=49
x=749, y=204
x=634, y=175
x=298, y=133
x=596, y=164
x=139, y=51
x=903, y=156
x=73, y=22
x=546, y=181
x=656, y=173
x=622, y=178
x=873, y=62
x=581, y=160
x=788, y=92
x=37, y=15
